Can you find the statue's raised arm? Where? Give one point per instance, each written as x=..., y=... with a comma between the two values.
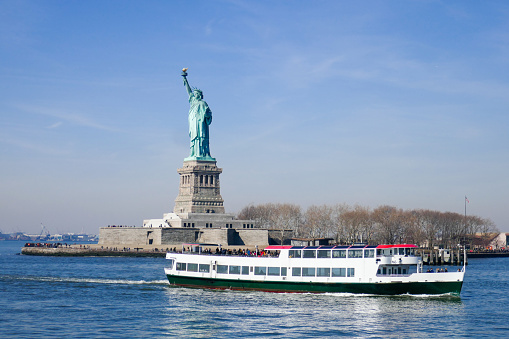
x=200, y=117
x=186, y=83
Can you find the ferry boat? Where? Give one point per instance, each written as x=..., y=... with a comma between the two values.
x=382, y=269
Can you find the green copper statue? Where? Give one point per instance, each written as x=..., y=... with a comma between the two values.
x=200, y=117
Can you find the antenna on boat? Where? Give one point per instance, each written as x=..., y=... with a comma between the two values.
x=464, y=233
x=464, y=258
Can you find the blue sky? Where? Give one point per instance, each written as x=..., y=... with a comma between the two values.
x=402, y=103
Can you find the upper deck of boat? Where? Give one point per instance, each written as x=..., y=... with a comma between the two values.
x=324, y=251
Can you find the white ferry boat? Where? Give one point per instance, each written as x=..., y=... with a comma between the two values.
x=382, y=269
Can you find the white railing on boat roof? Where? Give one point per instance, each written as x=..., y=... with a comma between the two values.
x=280, y=247
x=196, y=247
x=382, y=250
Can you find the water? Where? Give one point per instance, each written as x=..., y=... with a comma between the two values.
x=130, y=298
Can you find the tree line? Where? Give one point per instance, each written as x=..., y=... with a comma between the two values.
x=359, y=224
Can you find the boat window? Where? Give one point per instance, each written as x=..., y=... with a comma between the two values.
x=296, y=271
x=309, y=254
x=401, y=251
x=273, y=270
x=205, y=268
x=339, y=253
x=339, y=272
x=294, y=253
x=323, y=254
x=379, y=252
x=350, y=272
x=354, y=253
x=245, y=270
x=369, y=253
x=223, y=269
x=181, y=266
x=260, y=270
x=170, y=263
x=192, y=267
x=283, y=271
x=234, y=270
x=308, y=271
x=323, y=272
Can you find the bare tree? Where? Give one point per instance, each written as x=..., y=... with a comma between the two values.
x=389, y=221
x=426, y=222
x=487, y=229
x=338, y=231
x=473, y=225
x=285, y=217
x=261, y=214
x=385, y=224
x=318, y=222
x=358, y=225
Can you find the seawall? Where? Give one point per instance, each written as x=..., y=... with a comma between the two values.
x=92, y=252
x=97, y=250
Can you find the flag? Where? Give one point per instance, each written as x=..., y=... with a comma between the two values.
x=466, y=199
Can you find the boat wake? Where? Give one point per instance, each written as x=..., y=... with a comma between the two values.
x=84, y=280
x=406, y=295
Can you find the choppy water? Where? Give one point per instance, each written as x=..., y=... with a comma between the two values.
x=130, y=298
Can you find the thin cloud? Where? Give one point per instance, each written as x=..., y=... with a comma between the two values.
x=70, y=117
x=55, y=125
x=33, y=146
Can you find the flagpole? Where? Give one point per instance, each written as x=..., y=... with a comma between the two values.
x=465, y=222
x=464, y=236
x=465, y=209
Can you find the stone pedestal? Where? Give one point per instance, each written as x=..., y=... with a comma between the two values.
x=199, y=190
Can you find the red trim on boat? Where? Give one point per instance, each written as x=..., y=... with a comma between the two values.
x=278, y=247
x=399, y=246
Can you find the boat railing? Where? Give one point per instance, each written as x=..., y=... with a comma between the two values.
x=393, y=275
x=236, y=253
x=397, y=255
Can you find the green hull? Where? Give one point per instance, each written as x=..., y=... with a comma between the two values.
x=299, y=287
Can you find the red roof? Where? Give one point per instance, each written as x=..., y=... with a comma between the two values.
x=399, y=246
x=278, y=247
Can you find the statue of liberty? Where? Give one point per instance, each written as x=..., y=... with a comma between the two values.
x=200, y=117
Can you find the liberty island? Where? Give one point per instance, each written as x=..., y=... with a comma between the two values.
x=198, y=215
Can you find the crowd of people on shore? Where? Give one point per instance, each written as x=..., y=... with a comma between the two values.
x=48, y=245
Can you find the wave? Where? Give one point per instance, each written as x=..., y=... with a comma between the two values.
x=405, y=295
x=86, y=280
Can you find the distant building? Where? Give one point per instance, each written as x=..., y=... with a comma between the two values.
x=491, y=241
